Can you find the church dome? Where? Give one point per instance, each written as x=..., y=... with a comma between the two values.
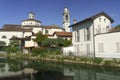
x=31, y=21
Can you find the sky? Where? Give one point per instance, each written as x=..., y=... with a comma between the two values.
x=50, y=11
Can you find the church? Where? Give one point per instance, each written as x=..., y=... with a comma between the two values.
x=94, y=37
x=29, y=27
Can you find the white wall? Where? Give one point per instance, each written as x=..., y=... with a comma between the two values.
x=36, y=30
x=100, y=25
x=32, y=23
x=109, y=42
x=52, y=30
x=80, y=47
x=30, y=43
x=26, y=34
x=9, y=35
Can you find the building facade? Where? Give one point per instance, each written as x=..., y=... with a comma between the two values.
x=91, y=37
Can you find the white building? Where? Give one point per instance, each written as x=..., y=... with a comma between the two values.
x=91, y=37
x=29, y=27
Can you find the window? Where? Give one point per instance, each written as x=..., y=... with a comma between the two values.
x=99, y=29
x=4, y=37
x=84, y=34
x=77, y=49
x=78, y=38
x=46, y=31
x=100, y=48
x=104, y=20
x=66, y=17
x=88, y=48
x=88, y=34
x=107, y=28
x=99, y=19
x=118, y=46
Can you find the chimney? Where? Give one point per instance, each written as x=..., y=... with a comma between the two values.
x=74, y=21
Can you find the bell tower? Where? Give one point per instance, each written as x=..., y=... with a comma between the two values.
x=66, y=19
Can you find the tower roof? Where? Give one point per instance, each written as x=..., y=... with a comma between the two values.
x=31, y=12
x=66, y=10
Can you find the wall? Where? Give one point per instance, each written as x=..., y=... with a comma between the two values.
x=32, y=23
x=109, y=42
x=101, y=25
x=9, y=35
x=80, y=46
x=26, y=34
x=52, y=30
x=36, y=30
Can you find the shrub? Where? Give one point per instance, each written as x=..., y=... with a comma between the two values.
x=107, y=62
x=38, y=51
x=84, y=59
x=97, y=60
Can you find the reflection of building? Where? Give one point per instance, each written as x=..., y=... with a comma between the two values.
x=87, y=74
x=29, y=27
x=91, y=37
x=26, y=73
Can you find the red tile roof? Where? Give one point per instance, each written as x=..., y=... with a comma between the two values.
x=32, y=26
x=15, y=28
x=64, y=34
x=114, y=30
x=31, y=20
x=52, y=27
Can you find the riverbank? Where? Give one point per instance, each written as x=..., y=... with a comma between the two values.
x=68, y=59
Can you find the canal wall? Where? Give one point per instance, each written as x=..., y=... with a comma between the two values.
x=68, y=59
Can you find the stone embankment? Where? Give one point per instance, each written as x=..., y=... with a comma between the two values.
x=68, y=59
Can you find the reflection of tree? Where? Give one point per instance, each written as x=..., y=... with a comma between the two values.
x=42, y=65
x=49, y=75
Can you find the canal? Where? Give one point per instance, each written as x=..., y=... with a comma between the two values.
x=18, y=69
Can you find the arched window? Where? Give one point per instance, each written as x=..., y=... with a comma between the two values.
x=4, y=37
x=66, y=17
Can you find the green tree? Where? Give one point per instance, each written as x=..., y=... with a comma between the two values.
x=67, y=43
x=39, y=38
x=2, y=43
x=117, y=27
x=13, y=46
x=60, y=42
x=48, y=42
x=2, y=46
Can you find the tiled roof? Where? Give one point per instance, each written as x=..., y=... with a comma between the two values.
x=48, y=35
x=15, y=28
x=16, y=38
x=31, y=20
x=114, y=30
x=45, y=34
x=52, y=27
x=63, y=34
x=93, y=17
x=32, y=26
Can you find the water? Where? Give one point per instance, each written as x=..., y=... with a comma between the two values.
x=16, y=69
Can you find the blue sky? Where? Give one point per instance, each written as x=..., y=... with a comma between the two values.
x=50, y=11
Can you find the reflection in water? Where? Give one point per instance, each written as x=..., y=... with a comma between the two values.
x=37, y=70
